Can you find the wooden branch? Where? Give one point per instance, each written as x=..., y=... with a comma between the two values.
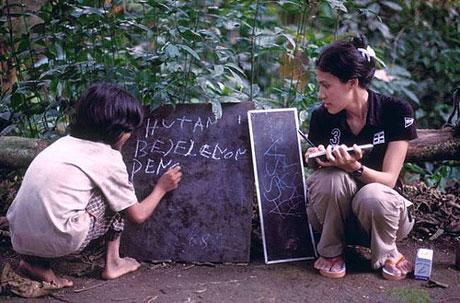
x=431, y=145
x=434, y=145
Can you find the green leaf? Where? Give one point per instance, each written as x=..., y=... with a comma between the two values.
x=290, y=39
x=415, y=168
x=239, y=82
x=226, y=91
x=399, y=71
x=138, y=25
x=393, y=5
x=411, y=95
x=190, y=51
x=190, y=35
x=172, y=51
x=218, y=70
x=87, y=10
x=161, y=6
x=234, y=67
x=60, y=54
x=17, y=101
x=338, y=5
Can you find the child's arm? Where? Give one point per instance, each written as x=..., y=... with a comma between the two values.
x=140, y=212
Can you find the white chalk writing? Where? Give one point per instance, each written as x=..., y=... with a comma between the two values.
x=182, y=123
x=156, y=151
x=280, y=187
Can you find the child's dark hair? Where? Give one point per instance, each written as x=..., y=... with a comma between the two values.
x=343, y=60
x=104, y=112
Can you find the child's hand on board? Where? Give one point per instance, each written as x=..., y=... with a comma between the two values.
x=170, y=179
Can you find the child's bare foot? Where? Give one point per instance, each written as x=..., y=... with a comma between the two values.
x=118, y=267
x=41, y=273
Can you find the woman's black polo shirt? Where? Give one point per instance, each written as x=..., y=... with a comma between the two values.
x=388, y=119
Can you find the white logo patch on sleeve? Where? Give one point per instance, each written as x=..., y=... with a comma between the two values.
x=408, y=121
x=379, y=138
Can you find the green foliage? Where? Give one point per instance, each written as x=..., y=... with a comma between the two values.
x=410, y=295
x=420, y=38
x=173, y=52
x=162, y=51
x=433, y=175
x=227, y=51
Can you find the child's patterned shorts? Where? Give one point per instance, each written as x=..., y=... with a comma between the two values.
x=104, y=221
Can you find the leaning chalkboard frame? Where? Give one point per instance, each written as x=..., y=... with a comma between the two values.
x=257, y=185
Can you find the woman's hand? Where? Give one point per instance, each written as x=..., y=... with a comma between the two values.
x=169, y=180
x=311, y=163
x=312, y=150
x=338, y=156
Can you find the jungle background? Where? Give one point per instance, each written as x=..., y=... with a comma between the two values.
x=170, y=52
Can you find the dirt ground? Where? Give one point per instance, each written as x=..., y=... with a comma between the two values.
x=437, y=217
x=255, y=282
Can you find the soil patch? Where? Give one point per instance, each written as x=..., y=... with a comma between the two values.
x=437, y=216
x=255, y=282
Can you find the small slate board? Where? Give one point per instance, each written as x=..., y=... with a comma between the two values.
x=208, y=217
x=278, y=169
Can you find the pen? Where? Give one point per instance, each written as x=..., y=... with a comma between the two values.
x=306, y=138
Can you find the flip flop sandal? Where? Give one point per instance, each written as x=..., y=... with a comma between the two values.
x=389, y=275
x=334, y=274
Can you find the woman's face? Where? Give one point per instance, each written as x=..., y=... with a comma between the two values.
x=335, y=94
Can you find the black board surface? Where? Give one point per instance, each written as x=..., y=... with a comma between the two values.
x=278, y=170
x=208, y=217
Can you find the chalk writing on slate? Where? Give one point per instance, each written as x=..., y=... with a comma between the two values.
x=208, y=217
x=278, y=170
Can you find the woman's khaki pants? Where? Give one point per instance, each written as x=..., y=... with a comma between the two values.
x=335, y=200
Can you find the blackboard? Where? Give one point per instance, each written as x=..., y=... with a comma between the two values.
x=279, y=175
x=208, y=217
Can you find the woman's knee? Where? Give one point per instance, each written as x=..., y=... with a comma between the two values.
x=376, y=199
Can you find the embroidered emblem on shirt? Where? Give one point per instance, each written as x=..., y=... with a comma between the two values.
x=335, y=139
x=408, y=121
x=379, y=138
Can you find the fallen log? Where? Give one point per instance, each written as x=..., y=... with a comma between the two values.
x=431, y=145
x=18, y=152
x=434, y=145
